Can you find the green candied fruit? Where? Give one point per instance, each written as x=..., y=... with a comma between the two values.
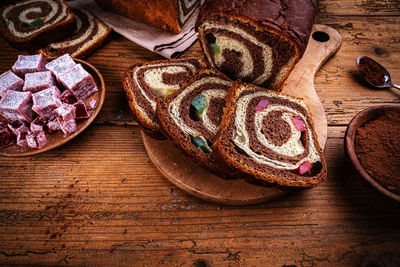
x=199, y=142
x=7, y=23
x=199, y=102
x=215, y=49
x=36, y=22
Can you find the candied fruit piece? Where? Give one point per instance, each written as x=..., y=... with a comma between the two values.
x=46, y=101
x=28, y=64
x=68, y=97
x=10, y=81
x=79, y=82
x=16, y=106
x=38, y=81
x=60, y=65
x=81, y=112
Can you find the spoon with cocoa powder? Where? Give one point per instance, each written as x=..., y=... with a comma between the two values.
x=374, y=73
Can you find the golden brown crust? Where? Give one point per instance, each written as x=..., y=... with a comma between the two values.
x=43, y=37
x=161, y=14
x=220, y=150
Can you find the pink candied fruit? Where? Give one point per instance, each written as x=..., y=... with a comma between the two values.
x=28, y=64
x=81, y=112
x=41, y=140
x=60, y=65
x=68, y=97
x=46, y=101
x=17, y=106
x=38, y=81
x=263, y=104
x=17, y=126
x=304, y=167
x=299, y=123
x=68, y=126
x=79, y=82
x=31, y=140
x=6, y=138
x=10, y=81
x=38, y=124
x=53, y=125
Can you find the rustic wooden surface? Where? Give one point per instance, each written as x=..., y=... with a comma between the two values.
x=99, y=199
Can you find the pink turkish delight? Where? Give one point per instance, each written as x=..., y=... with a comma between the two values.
x=79, y=82
x=16, y=106
x=10, y=81
x=40, y=137
x=68, y=97
x=91, y=105
x=17, y=126
x=53, y=125
x=21, y=138
x=6, y=138
x=81, y=112
x=31, y=140
x=28, y=64
x=66, y=112
x=68, y=126
x=38, y=81
x=38, y=124
x=46, y=101
x=60, y=65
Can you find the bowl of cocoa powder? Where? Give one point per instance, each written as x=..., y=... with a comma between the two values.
x=372, y=143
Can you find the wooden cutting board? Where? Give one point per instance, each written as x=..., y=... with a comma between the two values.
x=183, y=171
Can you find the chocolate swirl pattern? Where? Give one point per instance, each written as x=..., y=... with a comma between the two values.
x=191, y=116
x=145, y=83
x=90, y=33
x=255, y=41
x=31, y=24
x=270, y=136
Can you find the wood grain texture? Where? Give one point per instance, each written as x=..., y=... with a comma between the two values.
x=99, y=200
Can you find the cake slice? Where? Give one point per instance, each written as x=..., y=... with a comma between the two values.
x=257, y=41
x=89, y=35
x=30, y=24
x=190, y=117
x=270, y=137
x=145, y=83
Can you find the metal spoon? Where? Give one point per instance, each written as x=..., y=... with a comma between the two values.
x=388, y=82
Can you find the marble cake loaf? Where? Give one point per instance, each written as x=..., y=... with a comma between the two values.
x=90, y=34
x=257, y=41
x=145, y=83
x=269, y=136
x=31, y=24
x=169, y=15
x=190, y=117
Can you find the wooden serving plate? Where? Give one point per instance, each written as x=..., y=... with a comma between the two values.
x=58, y=138
x=183, y=171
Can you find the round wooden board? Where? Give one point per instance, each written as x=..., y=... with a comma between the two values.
x=58, y=138
x=184, y=173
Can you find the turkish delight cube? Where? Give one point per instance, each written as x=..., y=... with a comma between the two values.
x=10, y=81
x=6, y=138
x=68, y=126
x=28, y=64
x=38, y=81
x=79, y=82
x=66, y=112
x=53, y=125
x=60, y=65
x=21, y=138
x=81, y=112
x=17, y=126
x=41, y=140
x=68, y=97
x=46, y=101
x=91, y=105
x=38, y=124
x=31, y=140
x=16, y=106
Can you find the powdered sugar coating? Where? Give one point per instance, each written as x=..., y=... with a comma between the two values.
x=28, y=64
x=10, y=81
x=79, y=82
x=60, y=65
x=46, y=101
x=66, y=112
x=38, y=81
x=16, y=106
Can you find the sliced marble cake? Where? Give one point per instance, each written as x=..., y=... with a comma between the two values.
x=257, y=41
x=146, y=82
x=270, y=137
x=89, y=35
x=190, y=117
x=31, y=24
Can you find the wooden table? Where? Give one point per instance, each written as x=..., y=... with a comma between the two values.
x=100, y=200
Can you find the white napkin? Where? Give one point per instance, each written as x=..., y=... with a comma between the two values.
x=169, y=45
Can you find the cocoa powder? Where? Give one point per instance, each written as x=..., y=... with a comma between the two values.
x=372, y=71
x=377, y=146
